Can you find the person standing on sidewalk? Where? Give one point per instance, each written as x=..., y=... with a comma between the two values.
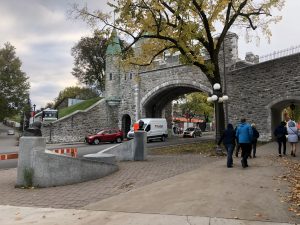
x=228, y=138
x=254, y=140
x=237, y=143
x=280, y=134
x=244, y=134
x=292, y=136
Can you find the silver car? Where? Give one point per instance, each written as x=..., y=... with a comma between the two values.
x=192, y=132
x=10, y=132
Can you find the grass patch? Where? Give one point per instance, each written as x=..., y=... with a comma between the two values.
x=205, y=148
x=80, y=106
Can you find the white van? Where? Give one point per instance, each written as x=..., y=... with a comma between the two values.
x=156, y=128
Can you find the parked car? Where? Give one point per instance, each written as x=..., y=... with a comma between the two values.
x=192, y=132
x=10, y=132
x=107, y=135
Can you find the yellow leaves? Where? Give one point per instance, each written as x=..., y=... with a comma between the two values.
x=293, y=177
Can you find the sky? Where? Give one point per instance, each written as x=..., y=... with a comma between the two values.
x=43, y=35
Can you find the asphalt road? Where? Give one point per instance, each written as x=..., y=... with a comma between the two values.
x=8, y=144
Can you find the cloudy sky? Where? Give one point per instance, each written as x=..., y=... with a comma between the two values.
x=43, y=36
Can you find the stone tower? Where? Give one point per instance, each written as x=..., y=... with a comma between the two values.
x=112, y=71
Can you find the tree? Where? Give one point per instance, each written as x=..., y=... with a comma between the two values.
x=89, y=60
x=14, y=85
x=187, y=26
x=74, y=92
x=196, y=105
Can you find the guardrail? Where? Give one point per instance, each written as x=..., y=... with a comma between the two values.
x=71, y=151
x=281, y=53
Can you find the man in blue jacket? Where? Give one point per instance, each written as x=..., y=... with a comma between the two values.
x=244, y=134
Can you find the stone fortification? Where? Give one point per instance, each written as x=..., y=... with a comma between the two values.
x=259, y=92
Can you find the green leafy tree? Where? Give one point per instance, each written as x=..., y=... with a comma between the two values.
x=195, y=28
x=14, y=85
x=195, y=105
x=89, y=60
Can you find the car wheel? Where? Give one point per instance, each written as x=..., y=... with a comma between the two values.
x=163, y=138
x=96, y=141
x=118, y=140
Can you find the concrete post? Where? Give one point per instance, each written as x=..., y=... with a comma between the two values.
x=140, y=142
x=26, y=146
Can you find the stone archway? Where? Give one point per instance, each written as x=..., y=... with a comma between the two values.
x=154, y=101
x=159, y=99
x=275, y=109
x=126, y=124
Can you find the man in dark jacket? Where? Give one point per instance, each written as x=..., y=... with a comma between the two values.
x=254, y=140
x=280, y=133
x=228, y=138
x=244, y=134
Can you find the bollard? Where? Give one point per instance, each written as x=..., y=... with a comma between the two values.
x=140, y=142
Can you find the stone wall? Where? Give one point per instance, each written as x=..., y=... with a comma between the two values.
x=255, y=91
x=76, y=126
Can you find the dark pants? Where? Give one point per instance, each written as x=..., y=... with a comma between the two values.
x=281, y=142
x=229, y=149
x=246, y=150
x=253, y=148
x=238, y=146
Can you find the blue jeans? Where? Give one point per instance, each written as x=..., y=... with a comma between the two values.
x=229, y=149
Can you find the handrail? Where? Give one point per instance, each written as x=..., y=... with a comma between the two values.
x=281, y=53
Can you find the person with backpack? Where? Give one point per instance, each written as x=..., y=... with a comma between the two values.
x=254, y=140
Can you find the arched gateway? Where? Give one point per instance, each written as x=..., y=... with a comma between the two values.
x=257, y=91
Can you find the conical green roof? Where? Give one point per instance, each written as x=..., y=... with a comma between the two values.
x=114, y=47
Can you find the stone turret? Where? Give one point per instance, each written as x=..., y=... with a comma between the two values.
x=112, y=71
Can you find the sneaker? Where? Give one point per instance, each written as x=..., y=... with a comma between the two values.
x=280, y=155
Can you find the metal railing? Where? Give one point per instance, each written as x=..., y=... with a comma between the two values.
x=280, y=53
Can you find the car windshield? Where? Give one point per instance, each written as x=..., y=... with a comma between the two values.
x=102, y=132
x=190, y=129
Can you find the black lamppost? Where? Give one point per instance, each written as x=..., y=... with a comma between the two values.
x=217, y=98
x=33, y=112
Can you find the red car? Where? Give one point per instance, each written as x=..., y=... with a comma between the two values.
x=108, y=135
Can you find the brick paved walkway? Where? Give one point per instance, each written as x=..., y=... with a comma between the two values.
x=130, y=176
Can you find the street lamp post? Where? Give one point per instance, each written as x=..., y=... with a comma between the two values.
x=33, y=112
x=218, y=98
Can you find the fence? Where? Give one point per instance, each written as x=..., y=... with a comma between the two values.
x=280, y=53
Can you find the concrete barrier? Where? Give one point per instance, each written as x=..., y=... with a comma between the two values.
x=135, y=149
x=47, y=169
x=123, y=152
x=55, y=170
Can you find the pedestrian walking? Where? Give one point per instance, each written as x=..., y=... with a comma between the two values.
x=238, y=146
x=292, y=136
x=254, y=140
x=280, y=134
x=244, y=134
x=228, y=138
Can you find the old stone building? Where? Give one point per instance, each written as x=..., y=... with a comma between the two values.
x=257, y=91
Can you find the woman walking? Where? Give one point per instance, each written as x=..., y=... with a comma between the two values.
x=292, y=136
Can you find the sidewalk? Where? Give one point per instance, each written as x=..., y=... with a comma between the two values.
x=210, y=194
